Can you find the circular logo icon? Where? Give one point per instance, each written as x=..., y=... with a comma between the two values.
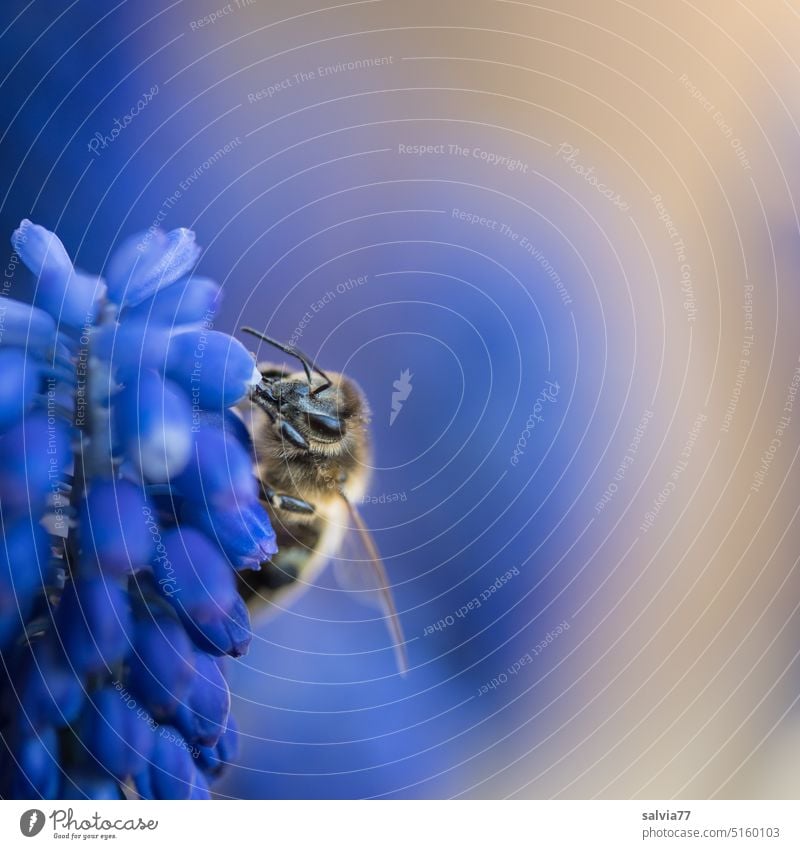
x=31, y=822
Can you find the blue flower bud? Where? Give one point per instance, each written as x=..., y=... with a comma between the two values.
x=93, y=619
x=189, y=301
x=148, y=262
x=214, y=367
x=117, y=733
x=204, y=716
x=131, y=347
x=42, y=252
x=24, y=555
x=208, y=761
x=228, y=746
x=161, y=665
x=225, y=632
x=116, y=527
x=20, y=380
x=73, y=303
x=33, y=454
x=213, y=759
x=228, y=421
x=199, y=787
x=153, y=423
x=24, y=326
x=219, y=473
x=87, y=783
x=50, y=693
x=244, y=533
x=172, y=770
x=36, y=773
x=193, y=575
x=143, y=783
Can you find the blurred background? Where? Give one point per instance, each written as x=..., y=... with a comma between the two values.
x=573, y=225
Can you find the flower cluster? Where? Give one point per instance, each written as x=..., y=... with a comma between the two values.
x=127, y=504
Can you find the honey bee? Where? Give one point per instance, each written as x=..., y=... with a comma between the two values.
x=310, y=434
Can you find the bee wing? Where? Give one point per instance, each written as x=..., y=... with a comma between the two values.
x=358, y=567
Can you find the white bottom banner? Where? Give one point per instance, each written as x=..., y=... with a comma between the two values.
x=404, y=824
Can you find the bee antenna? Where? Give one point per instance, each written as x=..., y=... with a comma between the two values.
x=308, y=364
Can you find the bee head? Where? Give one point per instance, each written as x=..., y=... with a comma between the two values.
x=307, y=412
x=308, y=415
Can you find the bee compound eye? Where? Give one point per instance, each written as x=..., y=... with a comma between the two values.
x=326, y=425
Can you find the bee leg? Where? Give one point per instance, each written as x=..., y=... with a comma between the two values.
x=286, y=502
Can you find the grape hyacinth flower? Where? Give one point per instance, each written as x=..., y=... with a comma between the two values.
x=127, y=506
